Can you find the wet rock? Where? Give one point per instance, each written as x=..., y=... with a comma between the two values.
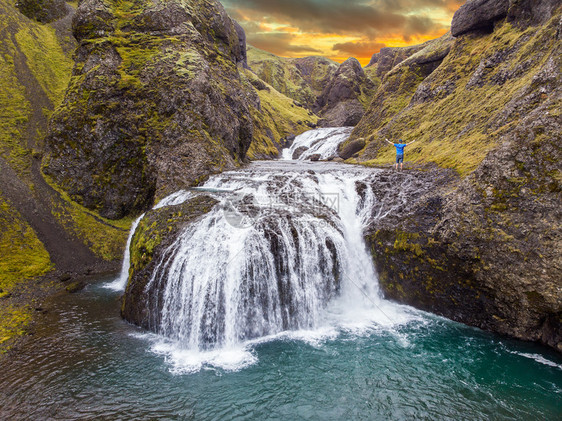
x=315, y=157
x=155, y=233
x=347, y=150
x=299, y=151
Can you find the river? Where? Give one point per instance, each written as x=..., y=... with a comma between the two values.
x=316, y=341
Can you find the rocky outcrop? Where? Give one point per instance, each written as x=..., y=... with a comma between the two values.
x=156, y=103
x=485, y=251
x=301, y=79
x=347, y=150
x=481, y=15
x=343, y=100
x=382, y=62
x=316, y=71
x=155, y=233
x=44, y=11
x=478, y=15
x=490, y=253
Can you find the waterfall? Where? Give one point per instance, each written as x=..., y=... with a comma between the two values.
x=225, y=280
x=321, y=142
x=283, y=251
x=120, y=283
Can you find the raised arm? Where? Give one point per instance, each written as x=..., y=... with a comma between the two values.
x=388, y=141
x=411, y=142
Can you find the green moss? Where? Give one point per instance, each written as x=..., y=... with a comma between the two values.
x=14, y=115
x=46, y=59
x=408, y=242
x=278, y=118
x=460, y=124
x=106, y=238
x=163, y=223
x=23, y=256
x=14, y=321
x=281, y=74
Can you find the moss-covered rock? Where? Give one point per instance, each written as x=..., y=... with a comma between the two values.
x=155, y=103
x=156, y=231
x=487, y=251
x=301, y=79
x=43, y=10
x=345, y=97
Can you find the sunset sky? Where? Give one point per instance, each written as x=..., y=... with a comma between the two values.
x=339, y=29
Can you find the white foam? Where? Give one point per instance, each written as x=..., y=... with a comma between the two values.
x=323, y=142
x=538, y=358
x=120, y=283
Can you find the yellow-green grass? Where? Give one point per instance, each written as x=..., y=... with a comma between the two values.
x=13, y=322
x=105, y=237
x=453, y=131
x=35, y=46
x=46, y=59
x=280, y=115
x=23, y=255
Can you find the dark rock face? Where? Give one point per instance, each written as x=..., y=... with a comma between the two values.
x=43, y=11
x=346, y=151
x=298, y=152
x=488, y=253
x=341, y=101
x=242, y=56
x=389, y=57
x=478, y=15
x=156, y=103
x=531, y=12
x=316, y=71
x=155, y=233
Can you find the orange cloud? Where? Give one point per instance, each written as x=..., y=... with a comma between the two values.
x=338, y=29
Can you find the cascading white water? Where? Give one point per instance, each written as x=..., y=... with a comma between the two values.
x=220, y=284
x=120, y=283
x=321, y=142
x=284, y=251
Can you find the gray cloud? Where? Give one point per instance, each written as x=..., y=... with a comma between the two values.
x=278, y=43
x=337, y=16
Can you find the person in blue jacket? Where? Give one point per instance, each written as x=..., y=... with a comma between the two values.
x=399, y=151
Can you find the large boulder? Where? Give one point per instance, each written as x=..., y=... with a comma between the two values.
x=478, y=15
x=156, y=103
x=481, y=15
x=347, y=150
x=44, y=11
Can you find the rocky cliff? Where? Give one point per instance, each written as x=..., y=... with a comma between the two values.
x=345, y=96
x=485, y=250
x=44, y=236
x=155, y=103
x=300, y=79
x=337, y=93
